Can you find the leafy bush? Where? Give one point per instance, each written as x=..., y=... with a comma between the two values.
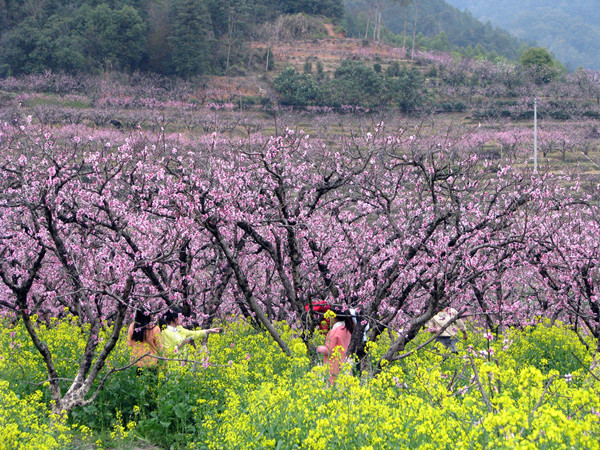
x=393, y=69
x=355, y=83
x=407, y=88
x=457, y=106
x=296, y=89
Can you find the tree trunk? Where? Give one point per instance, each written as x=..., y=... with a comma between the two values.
x=412, y=53
x=229, y=39
x=404, y=29
x=245, y=288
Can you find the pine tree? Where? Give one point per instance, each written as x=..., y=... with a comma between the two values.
x=189, y=38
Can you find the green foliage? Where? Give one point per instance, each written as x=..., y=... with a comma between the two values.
x=456, y=106
x=393, y=69
x=320, y=73
x=63, y=46
x=355, y=83
x=307, y=66
x=188, y=41
x=407, y=88
x=20, y=53
x=295, y=88
x=115, y=37
x=87, y=39
x=549, y=348
x=536, y=56
x=539, y=65
x=27, y=422
x=126, y=35
x=443, y=26
x=440, y=42
x=328, y=8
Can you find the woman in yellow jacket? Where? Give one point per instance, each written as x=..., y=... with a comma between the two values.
x=175, y=337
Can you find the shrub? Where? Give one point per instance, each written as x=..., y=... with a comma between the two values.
x=393, y=69
x=456, y=106
x=296, y=89
x=355, y=83
x=407, y=89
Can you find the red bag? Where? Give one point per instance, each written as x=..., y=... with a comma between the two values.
x=321, y=307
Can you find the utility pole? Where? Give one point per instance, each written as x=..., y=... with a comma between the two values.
x=535, y=152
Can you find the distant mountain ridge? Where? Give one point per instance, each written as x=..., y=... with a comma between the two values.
x=569, y=29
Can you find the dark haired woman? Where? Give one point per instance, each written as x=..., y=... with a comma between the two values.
x=144, y=339
x=175, y=337
x=336, y=343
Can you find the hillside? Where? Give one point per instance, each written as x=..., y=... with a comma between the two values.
x=188, y=38
x=570, y=30
x=433, y=18
x=307, y=62
x=183, y=38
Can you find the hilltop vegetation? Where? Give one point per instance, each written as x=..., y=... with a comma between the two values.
x=279, y=52
x=198, y=37
x=173, y=37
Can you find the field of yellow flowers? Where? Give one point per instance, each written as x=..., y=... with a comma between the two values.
x=529, y=388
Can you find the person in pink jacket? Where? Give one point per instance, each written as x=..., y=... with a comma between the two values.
x=336, y=343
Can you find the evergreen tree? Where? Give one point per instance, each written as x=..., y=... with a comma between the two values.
x=328, y=8
x=116, y=38
x=189, y=38
x=19, y=49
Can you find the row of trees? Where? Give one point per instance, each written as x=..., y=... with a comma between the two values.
x=448, y=82
x=168, y=37
x=353, y=83
x=432, y=81
x=397, y=225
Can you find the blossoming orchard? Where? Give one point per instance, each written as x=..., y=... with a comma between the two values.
x=248, y=231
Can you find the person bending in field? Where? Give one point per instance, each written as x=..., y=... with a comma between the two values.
x=337, y=342
x=175, y=337
x=447, y=337
x=143, y=336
